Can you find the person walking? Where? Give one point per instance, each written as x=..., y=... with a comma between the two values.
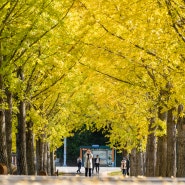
x=97, y=163
x=88, y=162
x=124, y=167
x=128, y=166
x=79, y=164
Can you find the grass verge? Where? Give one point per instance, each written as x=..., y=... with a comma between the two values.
x=116, y=173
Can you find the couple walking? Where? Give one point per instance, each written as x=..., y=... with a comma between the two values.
x=125, y=165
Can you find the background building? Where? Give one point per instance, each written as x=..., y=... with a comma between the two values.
x=106, y=154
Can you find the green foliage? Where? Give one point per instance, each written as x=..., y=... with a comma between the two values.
x=85, y=138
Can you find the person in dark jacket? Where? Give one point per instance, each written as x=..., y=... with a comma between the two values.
x=128, y=165
x=79, y=164
x=97, y=163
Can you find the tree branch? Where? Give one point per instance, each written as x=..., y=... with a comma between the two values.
x=105, y=74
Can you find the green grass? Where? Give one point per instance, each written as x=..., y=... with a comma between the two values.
x=116, y=173
x=61, y=173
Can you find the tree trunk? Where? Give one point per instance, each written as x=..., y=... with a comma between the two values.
x=151, y=151
x=21, y=133
x=140, y=163
x=8, y=120
x=171, y=145
x=181, y=144
x=30, y=149
x=136, y=163
x=21, y=141
x=3, y=149
x=133, y=160
x=124, y=153
x=161, y=162
x=52, y=163
x=39, y=155
x=48, y=160
x=45, y=157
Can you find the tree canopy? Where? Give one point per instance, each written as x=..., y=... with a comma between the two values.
x=103, y=64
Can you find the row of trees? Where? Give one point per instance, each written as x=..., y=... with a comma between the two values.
x=111, y=65
x=35, y=58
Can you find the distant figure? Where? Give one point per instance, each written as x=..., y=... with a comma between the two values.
x=97, y=163
x=124, y=167
x=79, y=164
x=128, y=166
x=88, y=162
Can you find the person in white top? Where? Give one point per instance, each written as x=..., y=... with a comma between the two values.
x=88, y=162
x=124, y=167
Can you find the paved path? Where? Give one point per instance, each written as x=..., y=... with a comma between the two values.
x=64, y=180
x=72, y=170
x=74, y=179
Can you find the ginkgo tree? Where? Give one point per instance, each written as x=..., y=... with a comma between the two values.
x=27, y=30
x=134, y=42
x=115, y=65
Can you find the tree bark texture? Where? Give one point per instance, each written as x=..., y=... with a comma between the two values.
x=45, y=157
x=21, y=140
x=161, y=162
x=171, y=145
x=8, y=120
x=30, y=155
x=52, y=163
x=3, y=149
x=48, y=160
x=181, y=144
x=160, y=169
x=21, y=132
x=136, y=163
x=151, y=151
x=39, y=155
